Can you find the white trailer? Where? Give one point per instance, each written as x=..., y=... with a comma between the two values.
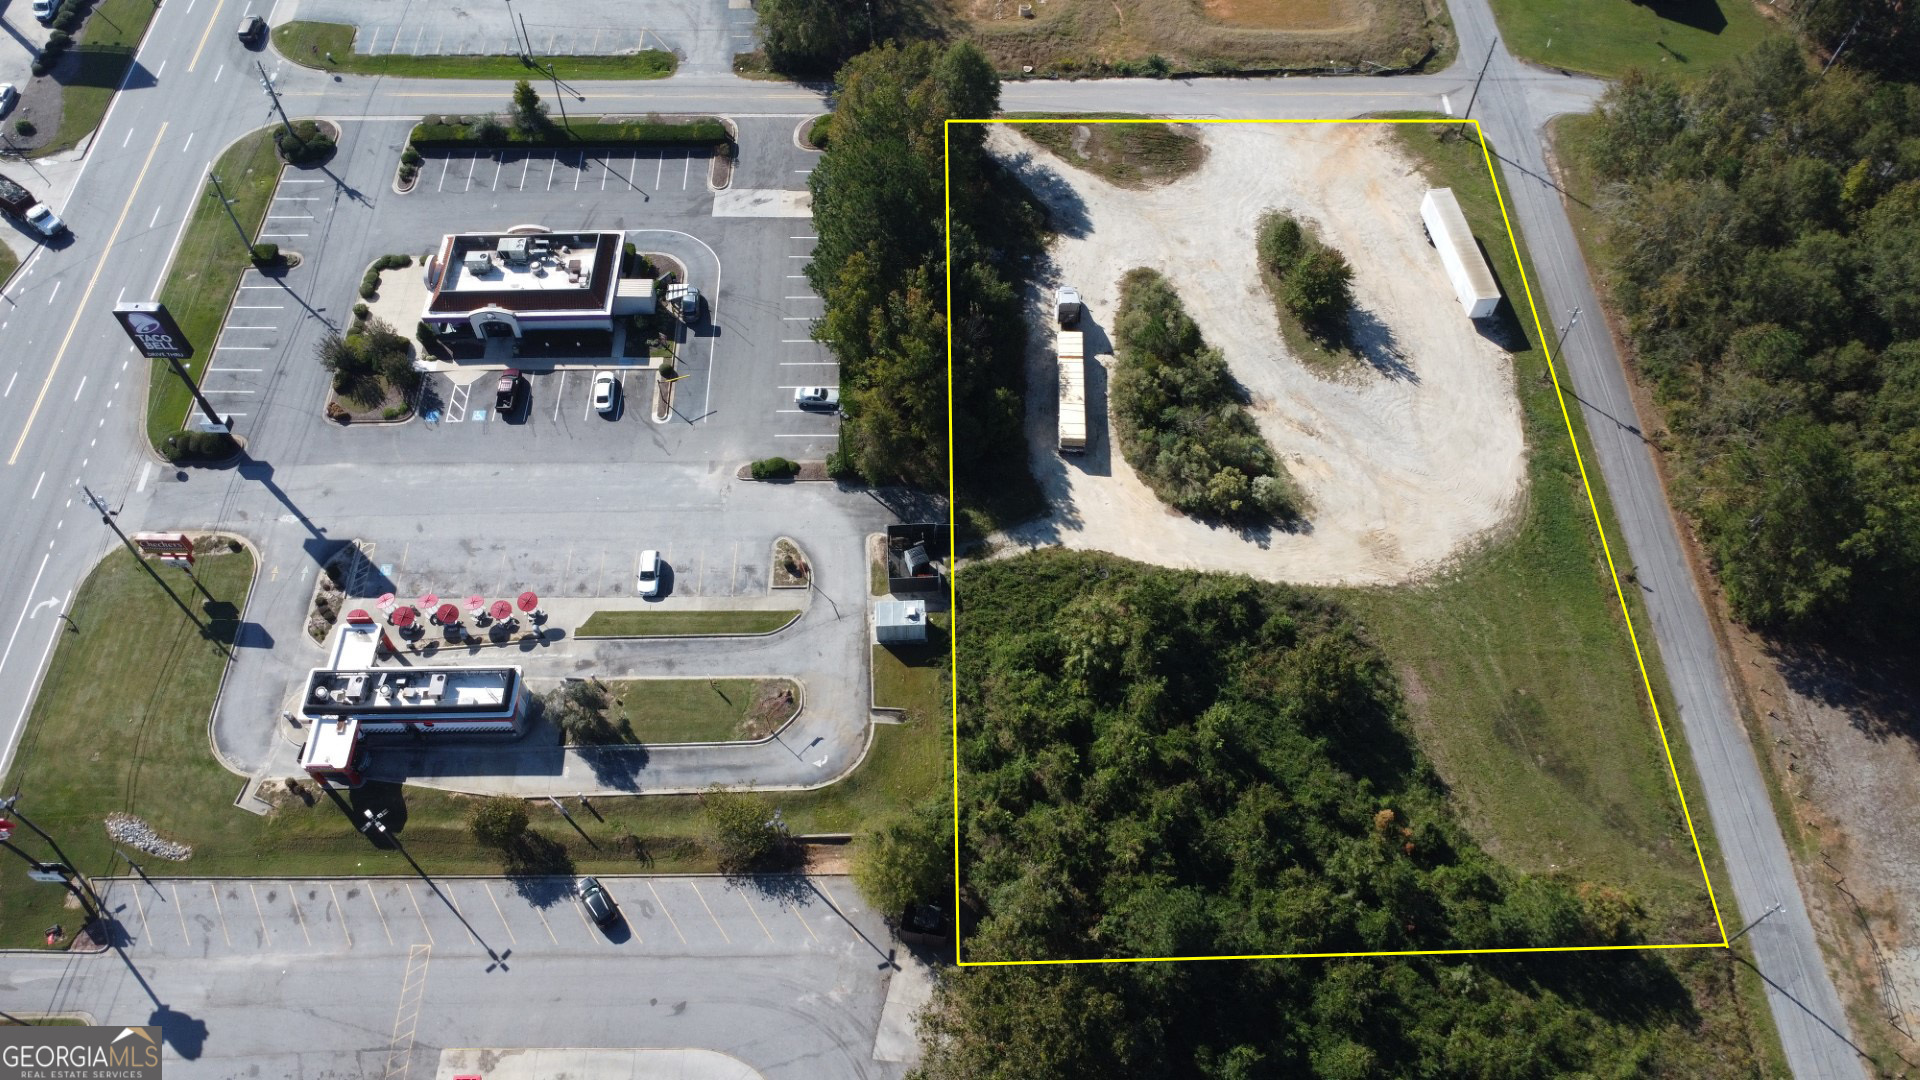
x=1447, y=230
x=1073, y=392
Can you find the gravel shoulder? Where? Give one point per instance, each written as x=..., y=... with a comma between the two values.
x=1403, y=468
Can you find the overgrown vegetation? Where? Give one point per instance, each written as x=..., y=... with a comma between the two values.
x=1124, y=793
x=1130, y=155
x=880, y=266
x=1309, y=280
x=1178, y=416
x=744, y=832
x=812, y=38
x=1764, y=232
x=329, y=47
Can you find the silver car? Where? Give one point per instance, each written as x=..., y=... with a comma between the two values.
x=8, y=95
x=817, y=397
x=650, y=568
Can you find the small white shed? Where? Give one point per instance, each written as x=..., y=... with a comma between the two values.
x=900, y=622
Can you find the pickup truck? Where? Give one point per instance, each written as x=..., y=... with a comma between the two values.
x=18, y=203
x=506, y=392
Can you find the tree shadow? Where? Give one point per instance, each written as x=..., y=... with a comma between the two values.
x=1873, y=686
x=1066, y=210
x=1374, y=341
x=1702, y=15
x=539, y=869
x=616, y=767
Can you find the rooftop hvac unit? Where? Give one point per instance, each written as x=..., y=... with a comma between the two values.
x=479, y=262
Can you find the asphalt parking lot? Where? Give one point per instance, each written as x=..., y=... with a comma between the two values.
x=713, y=561
x=644, y=173
x=678, y=916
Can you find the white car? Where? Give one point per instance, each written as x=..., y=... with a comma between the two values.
x=817, y=397
x=42, y=217
x=650, y=569
x=605, y=389
x=8, y=95
x=44, y=10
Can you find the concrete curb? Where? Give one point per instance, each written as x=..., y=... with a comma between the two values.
x=226, y=670
x=676, y=637
x=799, y=137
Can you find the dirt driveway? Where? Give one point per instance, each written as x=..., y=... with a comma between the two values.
x=1403, y=466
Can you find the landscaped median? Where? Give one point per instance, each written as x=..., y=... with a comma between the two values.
x=683, y=623
x=660, y=711
x=465, y=133
x=206, y=270
x=329, y=47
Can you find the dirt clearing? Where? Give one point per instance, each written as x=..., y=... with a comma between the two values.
x=1402, y=469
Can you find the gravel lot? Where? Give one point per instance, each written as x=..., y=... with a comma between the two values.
x=1403, y=467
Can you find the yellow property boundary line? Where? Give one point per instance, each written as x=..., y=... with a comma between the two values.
x=1546, y=347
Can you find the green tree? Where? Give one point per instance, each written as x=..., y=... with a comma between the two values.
x=1319, y=290
x=743, y=832
x=811, y=38
x=527, y=111
x=907, y=860
x=580, y=709
x=498, y=822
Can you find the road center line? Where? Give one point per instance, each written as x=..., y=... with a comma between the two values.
x=80, y=309
x=204, y=34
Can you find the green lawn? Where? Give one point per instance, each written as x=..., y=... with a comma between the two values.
x=310, y=43
x=916, y=677
x=207, y=268
x=104, y=47
x=121, y=724
x=1606, y=37
x=1129, y=155
x=700, y=710
x=683, y=623
x=9, y=262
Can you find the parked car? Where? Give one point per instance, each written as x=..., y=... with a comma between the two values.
x=684, y=301
x=253, y=30
x=44, y=10
x=606, y=389
x=598, y=902
x=817, y=397
x=8, y=95
x=649, y=584
x=506, y=392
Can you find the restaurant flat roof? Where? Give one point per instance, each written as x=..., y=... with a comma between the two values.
x=342, y=692
x=526, y=272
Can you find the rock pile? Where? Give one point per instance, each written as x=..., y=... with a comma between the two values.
x=130, y=830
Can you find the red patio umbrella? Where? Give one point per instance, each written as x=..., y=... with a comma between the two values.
x=528, y=601
x=429, y=600
x=448, y=614
x=359, y=615
x=385, y=603
x=501, y=610
x=475, y=603
x=403, y=617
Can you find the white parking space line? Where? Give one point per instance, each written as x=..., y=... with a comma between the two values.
x=502, y=914
x=472, y=164
x=342, y=912
x=671, y=921
x=658, y=169
x=418, y=912
x=299, y=915
x=220, y=910
x=632, y=163
x=526, y=163
x=549, y=926
x=710, y=914
x=562, y=392
x=686, y=171
x=375, y=897
x=181, y=912
x=580, y=170
x=755, y=914
x=552, y=164
x=499, y=163
x=445, y=163
x=266, y=933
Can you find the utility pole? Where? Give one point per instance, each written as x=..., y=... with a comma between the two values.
x=561, y=98
x=106, y=518
x=221, y=193
x=1560, y=346
x=11, y=805
x=1468, y=115
x=267, y=84
x=1754, y=923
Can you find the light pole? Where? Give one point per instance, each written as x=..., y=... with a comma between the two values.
x=559, y=97
x=106, y=518
x=267, y=85
x=11, y=804
x=1560, y=346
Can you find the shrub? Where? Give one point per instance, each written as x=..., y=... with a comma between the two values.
x=23, y=126
x=775, y=468
x=184, y=446
x=407, y=173
x=361, y=311
x=393, y=412
x=40, y=66
x=489, y=129
x=370, y=287
x=1319, y=290
x=529, y=113
x=667, y=370
x=820, y=130
x=58, y=40
x=840, y=463
x=266, y=254
x=424, y=334
x=393, y=262
x=410, y=156
x=744, y=834
x=1280, y=242
x=498, y=822
x=579, y=709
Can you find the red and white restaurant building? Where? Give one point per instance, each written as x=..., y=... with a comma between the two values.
x=353, y=698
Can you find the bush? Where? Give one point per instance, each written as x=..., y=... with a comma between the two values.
x=1319, y=290
x=489, y=130
x=266, y=254
x=185, y=446
x=424, y=334
x=306, y=145
x=410, y=156
x=370, y=287
x=1280, y=242
x=744, y=834
x=394, y=412
x=775, y=468
x=579, y=709
x=498, y=822
x=840, y=463
x=667, y=371
x=820, y=130
x=361, y=311
x=58, y=40
x=393, y=262
x=40, y=66
x=23, y=126
x=407, y=173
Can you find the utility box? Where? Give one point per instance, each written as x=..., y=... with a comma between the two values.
x=1447, y=230
x=900, y=622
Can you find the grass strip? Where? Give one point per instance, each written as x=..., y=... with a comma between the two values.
x=683, y=623
x=103, y=50
x=658, y=711
x=1139, y=155
x=121, y=724
x=327, y=46
x=1689, y=39
x=916, y=678
x=206, y=270
x=9, y=262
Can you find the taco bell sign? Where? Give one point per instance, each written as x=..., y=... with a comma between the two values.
x=153, y=331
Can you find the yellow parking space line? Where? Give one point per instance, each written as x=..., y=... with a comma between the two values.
x=214, y=887
x=710, y=914
x=663, y=910
x=756, y=916
x=298, y=915
x=264, y=931
x=423, y=915
x=343, y=914
x=543, y=922
x=182, y=912
x=145, y=927
x=795, y=911
x=375, y=897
